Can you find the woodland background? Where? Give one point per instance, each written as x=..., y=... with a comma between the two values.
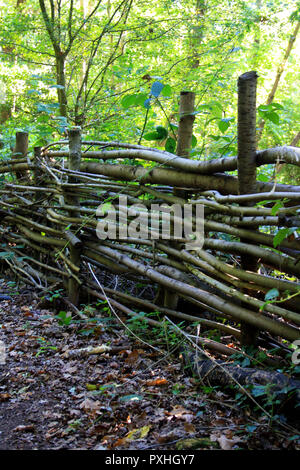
x=92, y=63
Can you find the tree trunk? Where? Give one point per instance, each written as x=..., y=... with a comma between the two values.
x=61, y=81
x=279, y=73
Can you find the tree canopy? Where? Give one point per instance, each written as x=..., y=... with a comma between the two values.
x=116, y=68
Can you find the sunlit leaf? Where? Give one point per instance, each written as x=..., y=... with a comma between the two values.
x=156, y=89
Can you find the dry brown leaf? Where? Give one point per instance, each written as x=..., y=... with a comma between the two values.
x=4, y=396
x=89, y=404
x=157, y=382
x=190, y=428
x=24, y=428
x=181, y=413
x=133, y=357
x=227, y=444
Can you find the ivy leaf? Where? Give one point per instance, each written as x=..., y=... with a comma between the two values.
x=156, y=89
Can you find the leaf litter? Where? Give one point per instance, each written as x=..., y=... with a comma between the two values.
x=114, y=393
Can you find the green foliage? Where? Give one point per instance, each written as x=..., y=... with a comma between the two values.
x=125, y=65
x=64, y=318
x=282, y=234
x=45, y=346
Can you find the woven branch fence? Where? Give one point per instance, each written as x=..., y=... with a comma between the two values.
x=50, y=232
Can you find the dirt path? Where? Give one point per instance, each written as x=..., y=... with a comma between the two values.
x=130, y=399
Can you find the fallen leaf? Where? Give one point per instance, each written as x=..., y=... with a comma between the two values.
x=24, y=428
x=132, y=357
x=89, y=404
x=181, y=413
x=190, y=428
x=91, y=387
x=4, y=396
x=227, y=444
x=157, y=382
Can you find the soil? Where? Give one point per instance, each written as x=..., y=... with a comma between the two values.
x=132, y=397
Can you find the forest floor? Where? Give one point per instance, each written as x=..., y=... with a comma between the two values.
x=133, y=397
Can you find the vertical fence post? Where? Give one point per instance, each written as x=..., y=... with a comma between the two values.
x=74, y=243
x=247, y=168
x=184, y=143
x=20, y=151
x=37, y=171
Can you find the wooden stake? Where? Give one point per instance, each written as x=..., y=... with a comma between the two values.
x=246, y=163
x=75, y=249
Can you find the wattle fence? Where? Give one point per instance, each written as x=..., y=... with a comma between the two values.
x=245, y=268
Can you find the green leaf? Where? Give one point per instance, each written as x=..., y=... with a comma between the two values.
x=278, y=205
x=140, y=99
x=128, y=100
x=263, y=178
x=166, y=91
x=152, y=136
x=162, y=131
x=31, y=92
x=282, y=234
x=258, y=391
x=223, y=126
x=159, y=134
x=272, y=294
x=147, y=103
x=224, y=123
x=156, y=89
x=170, y=145
x=6, y=255
x=131, y=398
x=194, y=141
x=57, y=86
x=273, y=117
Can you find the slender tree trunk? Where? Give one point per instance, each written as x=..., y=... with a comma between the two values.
x=61, y=81
x=295, y=140
x=279, y=73
x=197, y=32
x=257, y=34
